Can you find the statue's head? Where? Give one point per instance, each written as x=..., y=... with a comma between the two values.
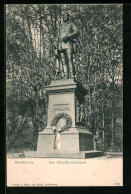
x=65, y=17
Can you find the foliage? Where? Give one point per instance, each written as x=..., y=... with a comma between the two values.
x=31, y=31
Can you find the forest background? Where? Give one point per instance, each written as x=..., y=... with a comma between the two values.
x=31, y=31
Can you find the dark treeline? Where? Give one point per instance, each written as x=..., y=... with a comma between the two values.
x=31, y=31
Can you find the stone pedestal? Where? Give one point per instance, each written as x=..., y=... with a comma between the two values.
x=63, y=96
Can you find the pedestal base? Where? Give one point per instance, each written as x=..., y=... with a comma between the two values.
x=59, y=154
x=63, y=96
x=73, y=140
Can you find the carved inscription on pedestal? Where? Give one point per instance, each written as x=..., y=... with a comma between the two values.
x=62, y=107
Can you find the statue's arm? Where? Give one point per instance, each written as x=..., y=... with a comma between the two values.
x=75, y=32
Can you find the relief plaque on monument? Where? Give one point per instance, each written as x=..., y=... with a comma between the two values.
x=62, y=107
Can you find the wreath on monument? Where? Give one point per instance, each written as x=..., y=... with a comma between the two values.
x=57, y=118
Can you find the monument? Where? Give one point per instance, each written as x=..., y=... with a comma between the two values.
x=65, y=135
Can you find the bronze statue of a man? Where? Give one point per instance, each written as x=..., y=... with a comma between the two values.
x=67, y=33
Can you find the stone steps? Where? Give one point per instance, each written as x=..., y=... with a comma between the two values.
x=58, y=154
